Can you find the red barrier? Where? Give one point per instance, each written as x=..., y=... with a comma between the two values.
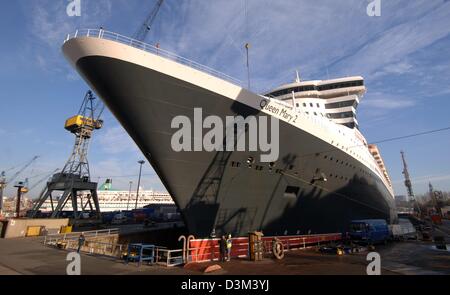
x=209, y=249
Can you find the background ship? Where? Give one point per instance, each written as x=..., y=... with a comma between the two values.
x=111, y=200
x=326, y=174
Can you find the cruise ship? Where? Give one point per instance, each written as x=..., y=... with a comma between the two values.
x=111, y=200
x=326, y=174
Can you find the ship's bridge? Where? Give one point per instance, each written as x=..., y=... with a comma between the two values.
x=336, y=99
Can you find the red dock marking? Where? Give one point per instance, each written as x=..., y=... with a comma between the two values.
x=209, y=249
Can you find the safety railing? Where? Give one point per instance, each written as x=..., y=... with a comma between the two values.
x=169, y=258
x=97, y=248
x=102, y=34
x=53, y=239
x=209, y=249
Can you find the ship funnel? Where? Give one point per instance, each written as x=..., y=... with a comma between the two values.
x=107, y=186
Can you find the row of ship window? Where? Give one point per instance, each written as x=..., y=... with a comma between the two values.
x=333, y=115
x=318, y=88
x=335, y=105
x=310, y=104
x=272, y=168
x=342, y=115
x=342, y=104
x=360, y=158
x=337, y=116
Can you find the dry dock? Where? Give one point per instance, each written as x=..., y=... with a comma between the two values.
x=30, y=257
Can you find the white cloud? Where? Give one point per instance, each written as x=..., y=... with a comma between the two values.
x=389, y=103
x=400, y=40
x=115, y=141
x=380, y=107
x=311, y=36
x=122, y=172
x=110, y=167
x=49, y=25
x=398, y=68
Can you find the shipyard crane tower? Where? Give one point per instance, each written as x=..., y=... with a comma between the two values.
x=4, y=182
x=74, y=178
x=145, y=28
x=2, y=187
x=436, y=199
x=408, y=183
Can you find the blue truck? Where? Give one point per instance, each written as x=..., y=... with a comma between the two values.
x=369, y=231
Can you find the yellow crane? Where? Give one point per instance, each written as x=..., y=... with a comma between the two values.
x=75, y=176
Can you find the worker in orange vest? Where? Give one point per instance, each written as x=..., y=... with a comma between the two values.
x=229, y=244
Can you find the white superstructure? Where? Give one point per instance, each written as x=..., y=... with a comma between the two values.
x=117, y=200
x=335, y=99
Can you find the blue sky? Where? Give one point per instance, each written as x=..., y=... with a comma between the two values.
x=404, y=56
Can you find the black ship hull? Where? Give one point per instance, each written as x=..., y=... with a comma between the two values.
x=219, y=190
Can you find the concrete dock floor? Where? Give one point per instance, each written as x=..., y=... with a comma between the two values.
x=29, y=257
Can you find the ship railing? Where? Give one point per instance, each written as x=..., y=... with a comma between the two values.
x=103, y=34
x=209, y=249
x=97, y=248
x=54, y=239
x=168, y=258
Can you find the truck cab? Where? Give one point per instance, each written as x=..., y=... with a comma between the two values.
x=119, y=218
x=369, y=231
